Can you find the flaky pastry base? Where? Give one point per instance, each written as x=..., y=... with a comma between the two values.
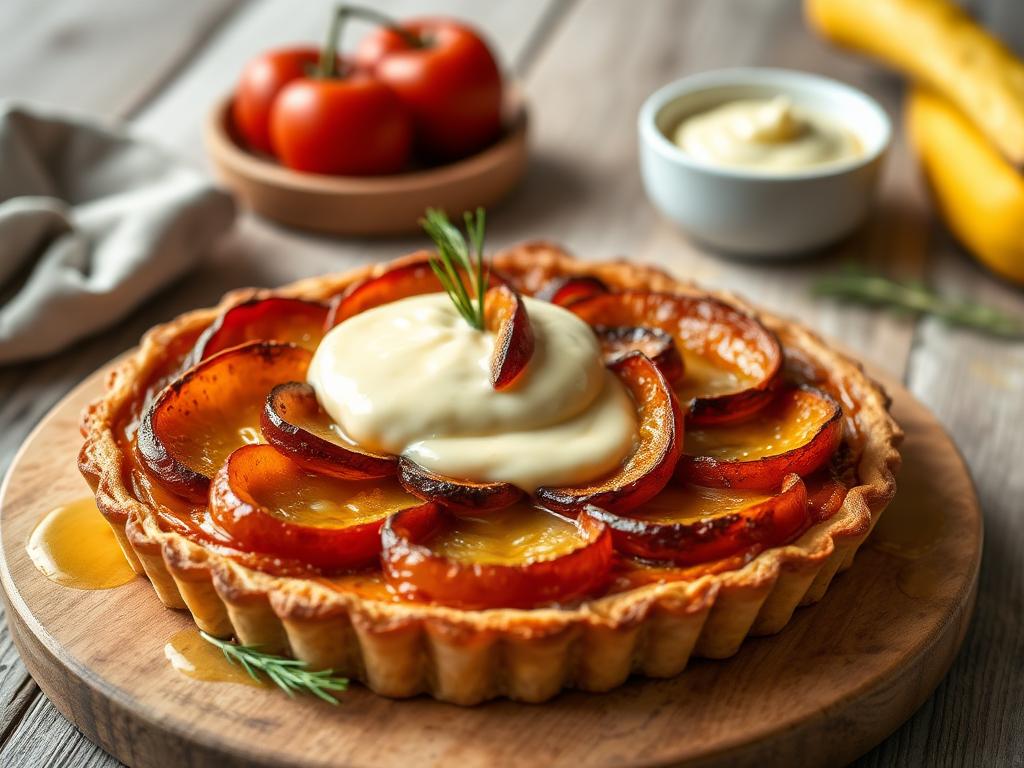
x=466, y=657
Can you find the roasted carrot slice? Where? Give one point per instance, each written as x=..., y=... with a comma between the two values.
x=617, y=341
x=732, y=361
x=462, y=496
x=505, y=316
x=273, y=319
x=652, y=463
x=711, y=525
x=210, y=410
x=269, y=504
x=796, y=433
x=518, y=557
x=295, y=424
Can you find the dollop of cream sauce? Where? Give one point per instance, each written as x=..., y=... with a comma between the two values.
x=769, y=135
x=413, y=378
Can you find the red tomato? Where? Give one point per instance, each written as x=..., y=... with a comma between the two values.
x=262, y=79
x=450, y=83
x=353, y=125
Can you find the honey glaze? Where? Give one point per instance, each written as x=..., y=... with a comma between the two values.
x=323, y=502
x=514, y=535
x=705, y=376
x=790, y=423
x=74, y=546
x=689, y=503
x=193, y=657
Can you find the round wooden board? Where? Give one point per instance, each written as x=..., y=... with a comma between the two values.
x=841, y=676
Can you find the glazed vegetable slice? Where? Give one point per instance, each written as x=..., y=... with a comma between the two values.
x=273, y=319
x=519, y=557
x=505, y=316
x=269, y=504
x=410, y=278
x=461, y=496
x=796, y=433
x=650, y=466
x=212, y=409
x=617, y=341
x=565, y=291
x=294, y=423
x=732, y=361
x=696, y=525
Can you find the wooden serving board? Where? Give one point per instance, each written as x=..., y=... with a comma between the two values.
x=842, y=676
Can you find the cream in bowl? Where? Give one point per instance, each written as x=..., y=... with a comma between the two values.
x=762, y=161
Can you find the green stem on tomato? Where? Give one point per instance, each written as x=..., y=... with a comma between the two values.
x=327, y=66
x=376, y=17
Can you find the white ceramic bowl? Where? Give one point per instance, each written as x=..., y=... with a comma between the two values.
x=758, y=213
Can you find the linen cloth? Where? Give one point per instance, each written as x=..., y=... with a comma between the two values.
x=92, y=222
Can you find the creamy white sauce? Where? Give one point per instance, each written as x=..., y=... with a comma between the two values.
x=413, y=378
x=768, y=135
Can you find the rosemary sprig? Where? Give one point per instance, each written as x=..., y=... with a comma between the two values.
x=460, y=266
x=857, y=286
x=290, y=675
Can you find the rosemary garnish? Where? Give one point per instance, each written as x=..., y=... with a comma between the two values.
x=857, y=286
x=290, y=675
x=460, y=266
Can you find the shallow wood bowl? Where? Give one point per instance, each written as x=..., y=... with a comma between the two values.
x=367, y=205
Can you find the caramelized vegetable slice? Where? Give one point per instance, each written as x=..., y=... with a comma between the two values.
x=269, y=504
x=617, y=341
x=411, y=278
x=212, y=409
x=699, y=525
x=796, y=433
x=518, y=557
x=274, y=319
x=650, y=466
x=462, y=496
x=564, y=291
x=295, y=424
x=505, y=316
x=732, y=361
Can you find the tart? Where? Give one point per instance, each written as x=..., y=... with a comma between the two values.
x=758, y=461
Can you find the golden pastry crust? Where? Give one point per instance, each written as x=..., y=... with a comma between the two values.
x=465, y=657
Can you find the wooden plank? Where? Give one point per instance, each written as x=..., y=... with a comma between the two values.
x=976, y=387
x=100, y=58
x=44, y=733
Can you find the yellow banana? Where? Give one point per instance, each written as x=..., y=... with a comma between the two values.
x=980, y=195
x=936, y=43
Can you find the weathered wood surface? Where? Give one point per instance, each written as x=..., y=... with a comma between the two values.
x=587, y=65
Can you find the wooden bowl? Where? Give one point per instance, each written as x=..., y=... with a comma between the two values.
x=367, y=205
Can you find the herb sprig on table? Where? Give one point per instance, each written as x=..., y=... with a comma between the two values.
x=858, y=286
x=290, y=675
x=460, y=266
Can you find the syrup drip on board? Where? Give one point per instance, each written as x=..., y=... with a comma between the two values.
x=193, y=657
x=74, y=546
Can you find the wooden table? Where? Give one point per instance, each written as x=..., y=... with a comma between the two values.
x=586, y=66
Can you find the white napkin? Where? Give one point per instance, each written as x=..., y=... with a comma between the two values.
x=92, y=222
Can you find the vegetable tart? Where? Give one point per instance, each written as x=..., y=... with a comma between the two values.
x=474, y=479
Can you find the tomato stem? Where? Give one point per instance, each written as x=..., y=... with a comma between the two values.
x=327, y=66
